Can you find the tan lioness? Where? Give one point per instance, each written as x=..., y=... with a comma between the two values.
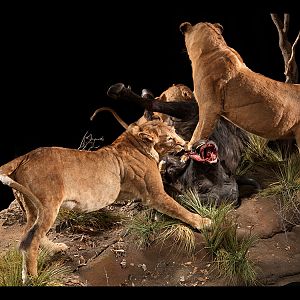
x=224, y=85
x=47, y=178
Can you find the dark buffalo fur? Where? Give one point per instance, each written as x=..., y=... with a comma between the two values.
x=209, y=181
x=214, y=182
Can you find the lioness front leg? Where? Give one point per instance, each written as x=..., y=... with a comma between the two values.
x=208, y=117
x=167, y=205
x=208, y=95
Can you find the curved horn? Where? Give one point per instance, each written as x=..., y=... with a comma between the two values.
x=147, y=94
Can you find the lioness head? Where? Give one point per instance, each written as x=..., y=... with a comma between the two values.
x=200, y=37
x=158, y=137
x=169, y=140
x=187, y=28
x=177, y=92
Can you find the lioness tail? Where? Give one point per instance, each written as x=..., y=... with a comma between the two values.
x=5, y=179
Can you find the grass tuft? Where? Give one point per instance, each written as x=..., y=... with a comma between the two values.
x=86, y=222
x=150, y=226
x=257, y=153
x=49, y=273
x=183, y=238
x=214, y=236
x=287, y=189
x=144, y=228
x=229, y=253
x=235, y=267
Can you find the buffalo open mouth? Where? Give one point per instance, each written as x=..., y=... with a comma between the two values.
x=205, y=151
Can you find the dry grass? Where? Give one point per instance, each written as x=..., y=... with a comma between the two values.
x=182, y=237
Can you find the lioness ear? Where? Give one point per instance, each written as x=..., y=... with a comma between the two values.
x=146, y=137
x=219, y=27
x=185, y=27
x=163, y=97
x=157, y=117
x=133, y=128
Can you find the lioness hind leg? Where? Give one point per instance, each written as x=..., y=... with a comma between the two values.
x=31, y=242
x=20, y=199
x=28, y=209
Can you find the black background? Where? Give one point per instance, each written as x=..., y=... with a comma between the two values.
x=58, y=62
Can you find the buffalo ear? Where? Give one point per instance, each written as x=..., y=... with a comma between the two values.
x=219, y=27
x=147, y=94
x=185, y=27
x=148, y=115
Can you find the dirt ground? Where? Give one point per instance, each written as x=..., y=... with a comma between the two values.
x=110, y=257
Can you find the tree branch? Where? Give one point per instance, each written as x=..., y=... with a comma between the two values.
x=288, y=52
x=292, y=58
x=286, y=23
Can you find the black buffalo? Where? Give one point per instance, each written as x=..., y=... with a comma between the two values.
x=215, y=181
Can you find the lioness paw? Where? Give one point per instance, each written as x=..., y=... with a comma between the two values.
x=162, y=167
x=189, y=146
x=204, y=223
x=58, y=247
x=52, y=247
x=184, y=158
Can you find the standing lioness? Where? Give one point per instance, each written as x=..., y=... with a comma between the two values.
x=223, y=85
x=47, y=178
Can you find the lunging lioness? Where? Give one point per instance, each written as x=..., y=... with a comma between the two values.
x=223, y=85
x=47, y=178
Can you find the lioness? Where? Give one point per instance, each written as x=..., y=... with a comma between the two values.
x=224, y=85
x=51, y=177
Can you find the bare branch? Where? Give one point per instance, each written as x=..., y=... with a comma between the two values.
x=286, y=23
x=293, y=54
x=282, y=35
x=277, y=22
